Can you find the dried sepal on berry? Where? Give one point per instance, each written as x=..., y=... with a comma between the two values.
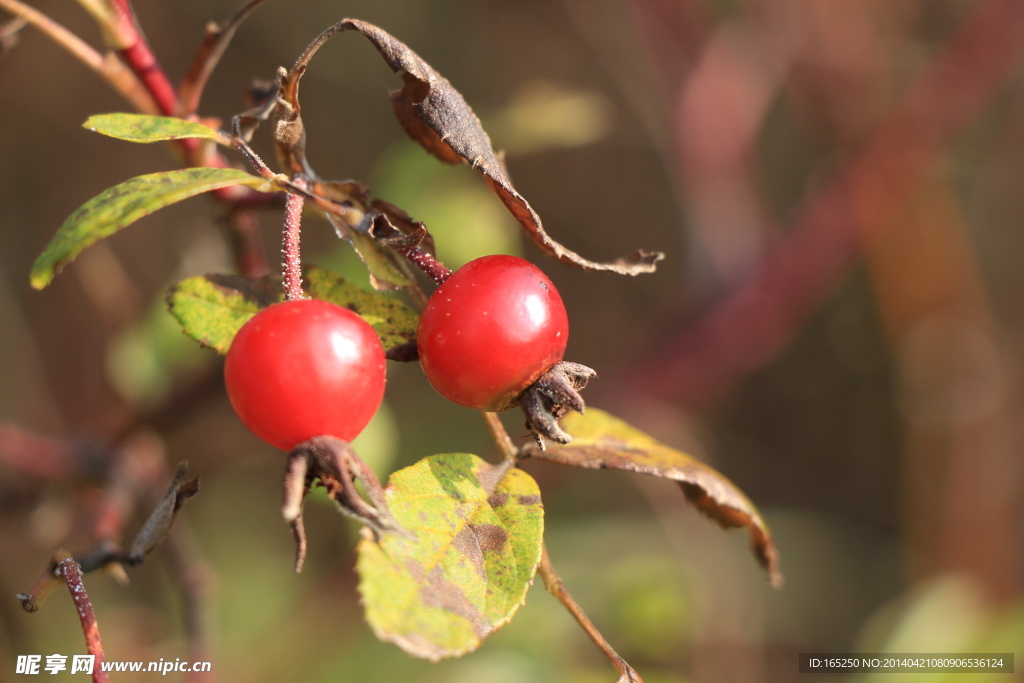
x=552, y=396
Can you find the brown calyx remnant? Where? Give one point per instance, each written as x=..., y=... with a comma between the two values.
x=551, y=397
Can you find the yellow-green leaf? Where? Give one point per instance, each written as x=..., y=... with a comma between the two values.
x=393, y=321
x=123, y=204
x=601, y=441
x=147, y=128
x=477, y=532
x=212, y=308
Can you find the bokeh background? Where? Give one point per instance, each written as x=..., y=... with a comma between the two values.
x=838, y=327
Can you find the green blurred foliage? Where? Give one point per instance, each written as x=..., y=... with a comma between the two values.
x=144, y=359
x=465, y=218
x=585, y=97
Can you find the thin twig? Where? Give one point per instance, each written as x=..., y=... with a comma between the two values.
x=500, y=435
x=207, y=57
x=31, y=601
x=553, y=582
x=108, y=67
x=72, y=575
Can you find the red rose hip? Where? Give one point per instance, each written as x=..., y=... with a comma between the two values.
x=490, y=331
x=305, y=368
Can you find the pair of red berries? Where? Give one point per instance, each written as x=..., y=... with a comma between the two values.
x=308, y=368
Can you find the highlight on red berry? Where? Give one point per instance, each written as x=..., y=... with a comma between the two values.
x=493, y=335
x=305, y=368
x=494, y=327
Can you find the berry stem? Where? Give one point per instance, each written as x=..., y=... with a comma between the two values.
x=292, y=263
x=436, y=270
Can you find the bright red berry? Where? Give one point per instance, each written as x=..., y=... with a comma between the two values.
x=488, y=332
x=305, y=368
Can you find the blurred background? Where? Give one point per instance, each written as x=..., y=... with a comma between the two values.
x=837, y=327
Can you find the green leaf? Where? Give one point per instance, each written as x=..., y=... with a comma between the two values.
x=601, y=441
x=147, y=128
x=212, y=308
x=122, y=205
x=393, y=321
x=477, y=542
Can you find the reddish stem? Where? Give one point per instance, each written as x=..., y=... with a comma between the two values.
x=140, y=58
x=427, y=263
x=72, y=575
x=291, y=264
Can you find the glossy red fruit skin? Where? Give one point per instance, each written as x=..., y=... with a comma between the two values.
x=305, y=368
x=488, y=332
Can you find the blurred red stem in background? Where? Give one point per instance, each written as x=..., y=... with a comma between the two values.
x=755, y=322
x=136, y=53
x=36, y=455
x=141, y=60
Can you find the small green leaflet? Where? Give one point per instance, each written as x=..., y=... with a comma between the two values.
x=147, y=128
x=602, y=441
x=478, y=530
x=212, y=308
x=123, y=204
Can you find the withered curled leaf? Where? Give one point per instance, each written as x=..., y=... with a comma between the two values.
x=160, y=520
x=434, y=114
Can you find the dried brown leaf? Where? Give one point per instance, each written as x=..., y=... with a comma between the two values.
x=159, y=523
x=434, y=114
x=335, y=463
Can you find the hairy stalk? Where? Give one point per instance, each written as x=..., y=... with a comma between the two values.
x=72, y=575
x=291, y=265
x=434, y=269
